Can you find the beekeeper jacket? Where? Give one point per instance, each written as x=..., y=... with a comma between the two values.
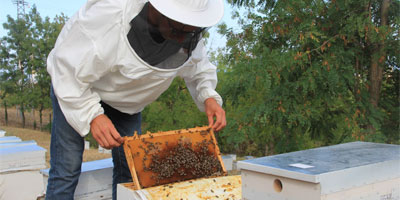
x=92, y=61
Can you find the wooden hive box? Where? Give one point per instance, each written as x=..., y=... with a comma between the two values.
x=223, y=187
x=173, y=156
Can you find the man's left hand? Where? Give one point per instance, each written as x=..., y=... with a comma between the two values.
x=213, y=109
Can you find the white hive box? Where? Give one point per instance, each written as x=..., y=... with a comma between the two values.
x=95, y=181
x=357, y=170
x=87, y=144
x=2, y=133
x=228, y=162
x=7, y=139
x=20, y=163
x=21, y=185
x=26, y=157
x=17, y=144
x=103, y=150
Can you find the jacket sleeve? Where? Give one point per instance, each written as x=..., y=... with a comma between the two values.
x=201, y=79
x=75, y=62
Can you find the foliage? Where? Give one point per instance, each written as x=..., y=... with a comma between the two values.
x=23, y=53
x=298, y=75
x=173, y=110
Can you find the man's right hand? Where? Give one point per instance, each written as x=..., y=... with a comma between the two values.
x=104, y=132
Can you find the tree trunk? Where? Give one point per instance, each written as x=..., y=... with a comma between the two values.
x=34, y=119
x=50, y=122
x=378, y=59
x=5, y=112
x=41, y=118
x=22, y=115
x=358, y=77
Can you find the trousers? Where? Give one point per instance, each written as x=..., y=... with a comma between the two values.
x=67, y=146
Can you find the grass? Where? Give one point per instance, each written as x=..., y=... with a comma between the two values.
x=43, y=140
x=32, y=118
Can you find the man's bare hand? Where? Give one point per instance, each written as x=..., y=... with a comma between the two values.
x=104, y=132
x=213, y=109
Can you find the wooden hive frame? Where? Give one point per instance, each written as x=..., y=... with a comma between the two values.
x=140, y=150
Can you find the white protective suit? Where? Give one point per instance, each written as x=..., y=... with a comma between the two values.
x=92, y=60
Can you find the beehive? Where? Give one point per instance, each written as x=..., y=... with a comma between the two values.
x=224, y=187
x=350, y=171
x=173, y=156
x=95, y=180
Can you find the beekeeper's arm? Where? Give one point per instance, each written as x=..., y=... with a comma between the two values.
x=201, y=81
x=75, y=63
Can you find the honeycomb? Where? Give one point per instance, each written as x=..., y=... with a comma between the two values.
x=173, y=156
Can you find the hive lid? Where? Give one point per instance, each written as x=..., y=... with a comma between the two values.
x=172, y=156
x=332, y=162
x=28, y=157
x=6, y=139
x=17, y=144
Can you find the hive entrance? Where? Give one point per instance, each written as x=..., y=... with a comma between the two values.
x=166, y=157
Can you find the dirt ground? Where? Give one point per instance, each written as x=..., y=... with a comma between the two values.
x=43, y=140
x=31, y=118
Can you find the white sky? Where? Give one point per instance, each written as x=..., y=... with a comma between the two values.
x=51, y=8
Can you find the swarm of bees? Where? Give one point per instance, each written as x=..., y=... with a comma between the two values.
x=182, y=160
x=173, y=156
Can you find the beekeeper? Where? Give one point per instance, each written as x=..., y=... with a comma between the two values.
x=111, y=59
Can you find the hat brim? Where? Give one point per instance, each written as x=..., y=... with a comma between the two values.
x=204, y=18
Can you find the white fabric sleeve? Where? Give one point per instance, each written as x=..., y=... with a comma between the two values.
x=75, y=63
x=201, y=80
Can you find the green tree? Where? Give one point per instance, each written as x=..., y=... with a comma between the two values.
x=16, y=70
x=44, y=35
x=174, y=109
x=5, y=87
x=309, y=73
x=24, y=50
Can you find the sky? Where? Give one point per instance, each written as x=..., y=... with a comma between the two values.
x=51, y=8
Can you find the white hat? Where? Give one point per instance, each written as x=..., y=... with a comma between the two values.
x=199, y=13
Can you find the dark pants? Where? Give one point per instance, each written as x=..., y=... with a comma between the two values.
x=67, y=147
